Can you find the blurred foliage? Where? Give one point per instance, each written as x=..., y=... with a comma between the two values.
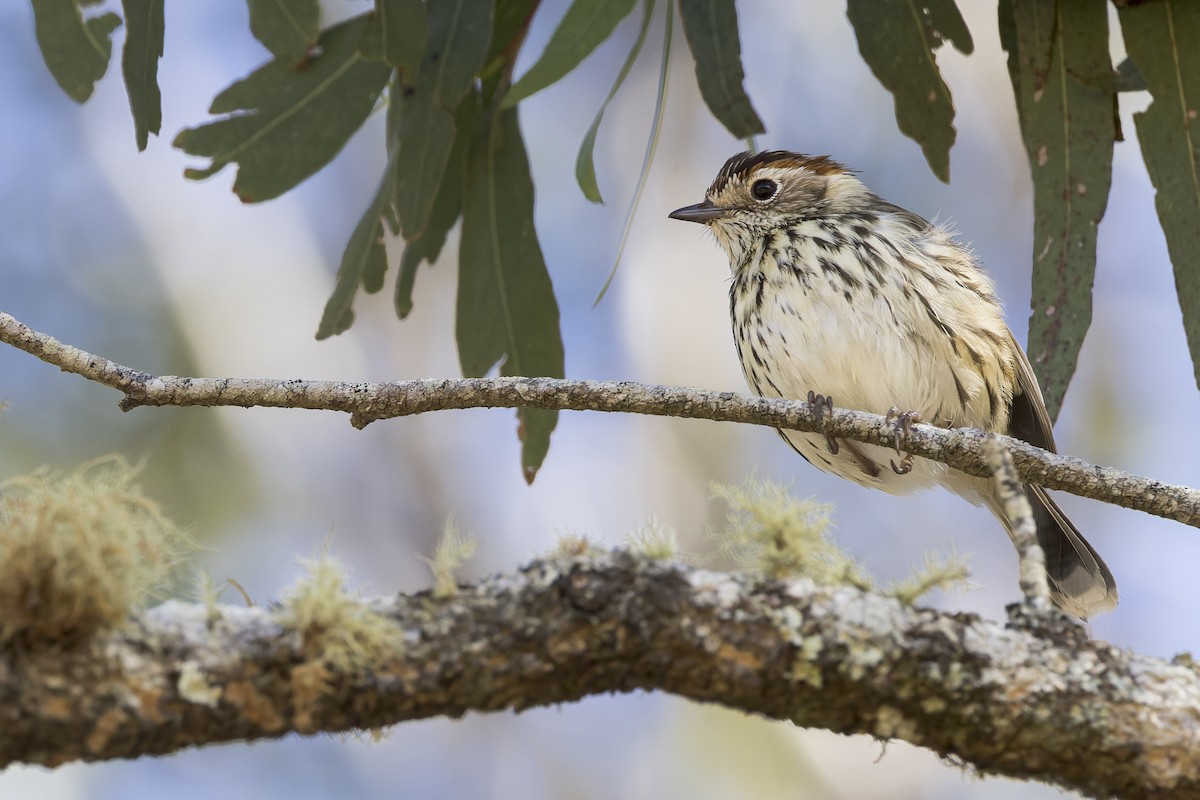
x=899, y=47
x=1063, y=80
x=445, y=70
x=1160, y=38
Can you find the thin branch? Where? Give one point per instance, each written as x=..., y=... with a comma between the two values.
x=1035, y=583
x=366, y=402
x=1045, y=703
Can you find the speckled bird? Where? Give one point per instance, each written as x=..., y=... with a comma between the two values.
x=839, y=296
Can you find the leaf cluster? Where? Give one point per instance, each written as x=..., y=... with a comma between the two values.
x=456, y=155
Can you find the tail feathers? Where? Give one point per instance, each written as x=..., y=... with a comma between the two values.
x=1080, y=581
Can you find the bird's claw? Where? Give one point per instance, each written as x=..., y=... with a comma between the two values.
x=824, y=404
x=902, y=422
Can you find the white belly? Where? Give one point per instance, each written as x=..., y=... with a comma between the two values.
x=797, y=332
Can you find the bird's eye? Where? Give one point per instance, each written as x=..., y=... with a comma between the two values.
x=764, y=189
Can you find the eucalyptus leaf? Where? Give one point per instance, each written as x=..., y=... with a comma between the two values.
x=76, y=52
x=1129, y=78
x=1062, y=79
x=585, y=164
x=1161, y=39
x=288, y=28
x=447, y=207
x=144, y=30
x=282, y=125
x=511, y=21
x=711, y=28
x=364, y=262
x=660, y=104
x=459, y=34
x=898, y=39
x=586, y=24
x=404, y=30
x=506, y=311
x=422, y=118
x=426, y=139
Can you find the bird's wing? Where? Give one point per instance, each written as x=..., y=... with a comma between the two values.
x=1030, y=421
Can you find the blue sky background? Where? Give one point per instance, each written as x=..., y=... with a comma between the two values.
x=115, y=252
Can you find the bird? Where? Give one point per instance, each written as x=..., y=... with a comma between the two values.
x=838, y=295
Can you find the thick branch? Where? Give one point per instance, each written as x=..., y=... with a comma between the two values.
x=1046, y=704
x=366, y=402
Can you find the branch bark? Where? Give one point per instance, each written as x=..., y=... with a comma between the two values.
x=961, y=448
x=1033, y=699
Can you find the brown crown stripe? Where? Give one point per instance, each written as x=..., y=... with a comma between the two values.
x=746, y=162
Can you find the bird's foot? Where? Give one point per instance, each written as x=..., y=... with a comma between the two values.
x=824, y=405
x=902, y=422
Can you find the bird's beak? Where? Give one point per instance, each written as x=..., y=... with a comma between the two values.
x=701, y=212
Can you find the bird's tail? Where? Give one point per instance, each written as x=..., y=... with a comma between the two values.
x=1080, y=581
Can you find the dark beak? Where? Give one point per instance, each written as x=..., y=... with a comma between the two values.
x=701, y=212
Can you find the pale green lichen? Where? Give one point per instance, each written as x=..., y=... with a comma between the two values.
x=656, y=541
x=335, y=626
x=575, y=545
x=194, y=687
x=890, y=723
x=938, y=572
x=79, y=551
x=804, y=668
x=453, y=550
x=774, y=535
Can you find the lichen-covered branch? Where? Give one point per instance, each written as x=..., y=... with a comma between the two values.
x=1041, y=702
x=367, y=402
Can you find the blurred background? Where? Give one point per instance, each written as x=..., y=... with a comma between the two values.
x=113, y=251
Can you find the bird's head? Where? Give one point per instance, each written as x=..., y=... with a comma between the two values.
x=755, y=193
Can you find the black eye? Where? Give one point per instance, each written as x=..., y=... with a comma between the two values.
x=764, y=189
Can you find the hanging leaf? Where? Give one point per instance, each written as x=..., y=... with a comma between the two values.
x=288, y=28
x=585, y=165
x=506, y=311
x=447, y=206
x=1161, y=39
x=423, y=122
x=587, y=23
x=648, y=156
x=403, y=27
x=711, y=28
x=898, y=39
x=459, y=34
x=144, y=28
x=364, y=263
x=1063, y=81
x=75, y=52
x=281, y=125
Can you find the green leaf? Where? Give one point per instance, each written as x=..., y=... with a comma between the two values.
x=511, y=23
x=587, y=23
x=139, y=61
x=1161, y=38
x=647, y=157
x=447, y=206
x=283, y=125
x=403, y=23
x=423, y=118
x=364, y=262
x=1129, y=78
x=585, y=164
x=426, y=139
x=897, y=39
x=1063, y=80
x=288, y=28
x=459, y=34
x=711, y=27
x=75, y=52
x=506, y=307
